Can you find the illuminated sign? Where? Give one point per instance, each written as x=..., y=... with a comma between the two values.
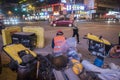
x=41, y=0
x=63, y=1
x=82, y=8
x=75, y=7
x=112, y=13
x=49, y=9
x=69, y=7
x=89, y=3
x=41, y=13
x=56, y=13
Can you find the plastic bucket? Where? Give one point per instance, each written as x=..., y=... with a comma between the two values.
x=99, y=61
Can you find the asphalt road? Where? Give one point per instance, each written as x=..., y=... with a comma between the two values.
x=109, y=31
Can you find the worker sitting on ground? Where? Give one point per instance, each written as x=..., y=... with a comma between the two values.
x=57, y=43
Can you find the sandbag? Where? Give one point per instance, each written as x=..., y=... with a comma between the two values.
x=26, y=58
x=114, y=67
x=60, y=62
x=27, y=72
x=70, y=43
x=71, y=75
x=104, y=74
x=66, y=74
x=58, y=75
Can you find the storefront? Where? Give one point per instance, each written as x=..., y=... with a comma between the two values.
x=77, y=9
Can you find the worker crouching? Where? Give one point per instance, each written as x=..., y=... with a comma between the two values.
x=57, y=43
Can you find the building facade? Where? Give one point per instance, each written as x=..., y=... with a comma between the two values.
x=89, y=9
x=98, y=8
x=63, y=7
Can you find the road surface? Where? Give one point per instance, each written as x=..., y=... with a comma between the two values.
x=109, y=31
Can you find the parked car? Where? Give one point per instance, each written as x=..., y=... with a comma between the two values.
x=62, y=22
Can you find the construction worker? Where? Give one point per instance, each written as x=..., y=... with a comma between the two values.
x=75, y=33
x=57, y=43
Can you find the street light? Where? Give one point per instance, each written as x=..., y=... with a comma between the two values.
x=30, y=7
x=16, y=9
x=22, y=1
x=9, y=13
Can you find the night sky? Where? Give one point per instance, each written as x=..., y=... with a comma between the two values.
x=52, y=1
x=12, y=1
x=16, y=1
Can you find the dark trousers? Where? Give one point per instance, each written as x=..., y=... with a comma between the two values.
x=119, y=40
x=76, y=35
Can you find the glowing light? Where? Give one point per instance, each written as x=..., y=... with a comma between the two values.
x=56, y=13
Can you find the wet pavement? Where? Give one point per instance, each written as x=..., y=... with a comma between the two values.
x=108, y=31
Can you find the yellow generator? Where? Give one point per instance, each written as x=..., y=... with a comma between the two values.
x=97, y=45
x=23, y=61
x=30, y=37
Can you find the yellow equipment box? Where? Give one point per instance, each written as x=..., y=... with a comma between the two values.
x=13, y=49
x=7, y=32
x=98, y=45
x=97, y=39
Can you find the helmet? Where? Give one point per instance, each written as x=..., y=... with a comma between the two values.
x=59, y=32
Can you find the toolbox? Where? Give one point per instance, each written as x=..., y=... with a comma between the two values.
x=28, y=39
